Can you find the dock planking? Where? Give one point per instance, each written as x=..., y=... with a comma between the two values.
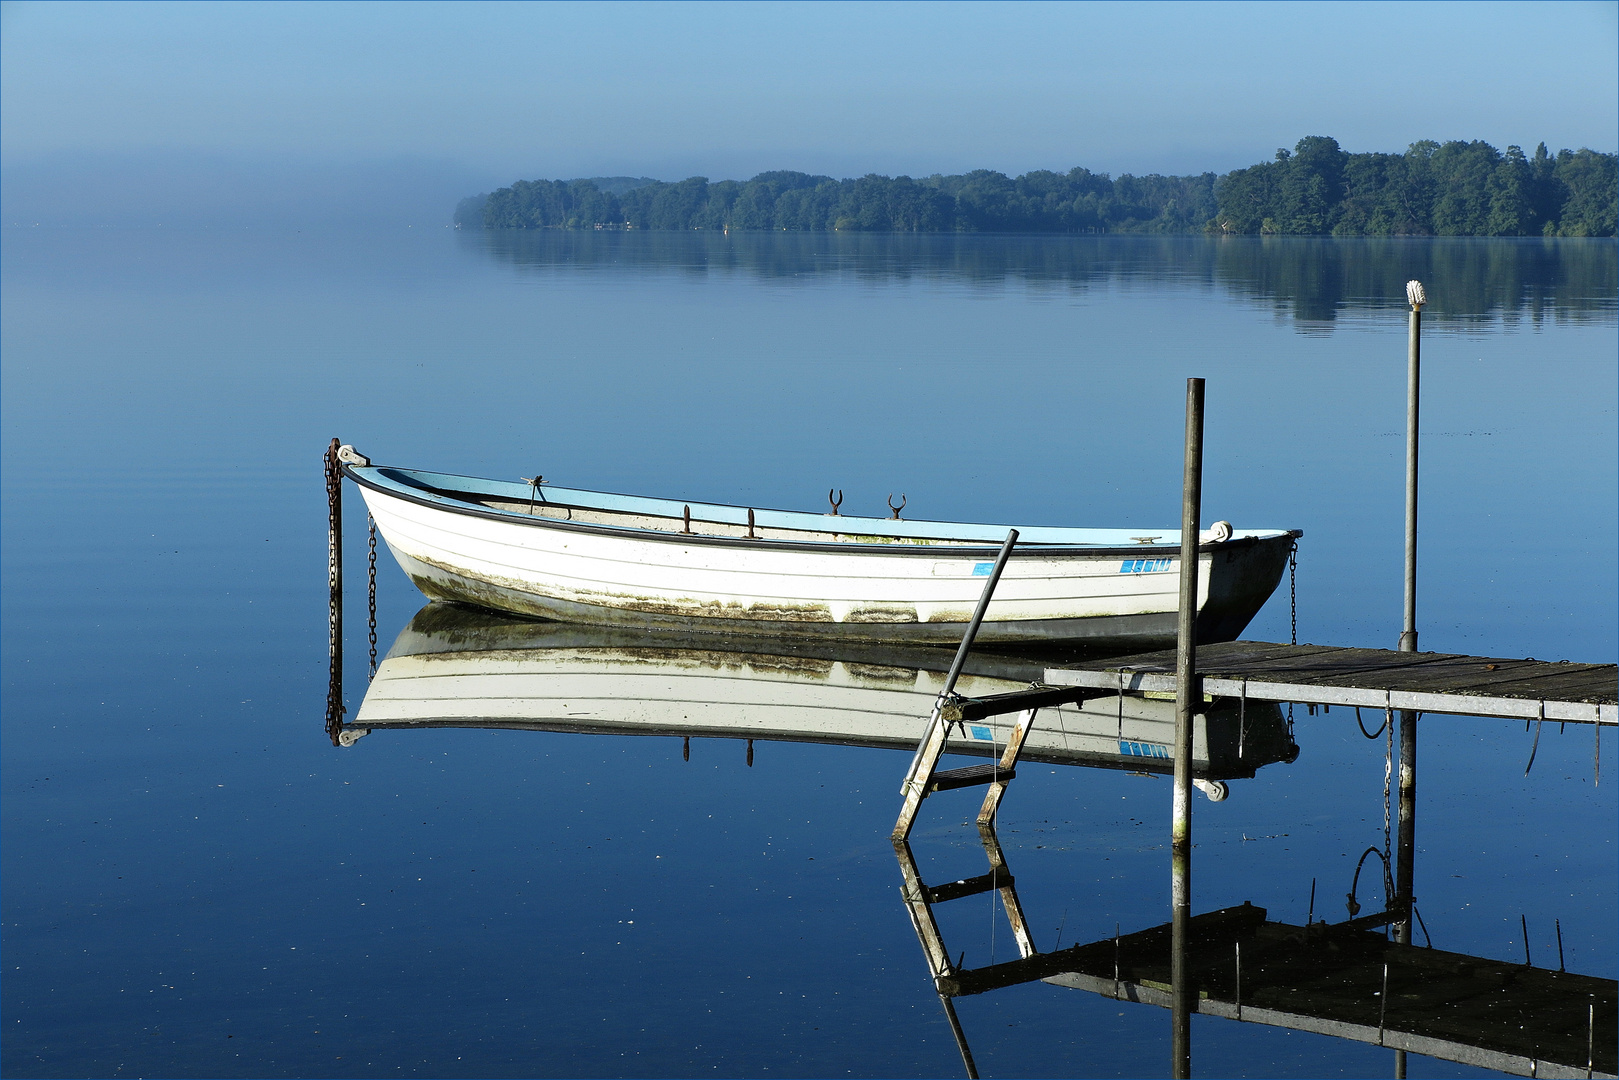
x=1351, y=983
x=1525, y=689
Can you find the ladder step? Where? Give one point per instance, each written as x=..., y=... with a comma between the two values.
x=971, y=776
x=1045, y=697
x=955, y=890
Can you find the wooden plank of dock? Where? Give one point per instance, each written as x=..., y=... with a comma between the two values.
x=1370, y=678
x=1353, y=984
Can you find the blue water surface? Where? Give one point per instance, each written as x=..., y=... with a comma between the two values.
x=197, y=883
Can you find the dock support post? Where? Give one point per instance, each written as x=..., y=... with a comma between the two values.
x=1188, y=698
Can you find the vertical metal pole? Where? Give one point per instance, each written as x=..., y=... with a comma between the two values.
x=979, y=612
x=1413, y=394
x=1188, y=698
x=1405, y=872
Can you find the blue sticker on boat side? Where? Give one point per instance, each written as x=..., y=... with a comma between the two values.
x=1141, y=749
x=1146, y=566
x=982, y=569
x=982, y=733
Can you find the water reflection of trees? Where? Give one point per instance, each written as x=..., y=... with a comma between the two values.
x=1313, y=280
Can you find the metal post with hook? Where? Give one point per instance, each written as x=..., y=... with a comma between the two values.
x=1405, y=874
x=1188, y=696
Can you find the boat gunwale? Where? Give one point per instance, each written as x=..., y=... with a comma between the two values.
x=447, y=503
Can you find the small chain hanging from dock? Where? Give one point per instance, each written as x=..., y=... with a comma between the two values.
x=371, y=589
x=1293, y=592
x=1293, y=612
x=334, y=582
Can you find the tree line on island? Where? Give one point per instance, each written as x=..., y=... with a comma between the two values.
x=1317, y=188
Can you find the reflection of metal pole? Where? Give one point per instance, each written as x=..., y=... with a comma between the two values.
x=961, y=1037
x=1405, y=870
x=1188, y=697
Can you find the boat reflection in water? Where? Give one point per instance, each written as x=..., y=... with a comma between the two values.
x=463, y=667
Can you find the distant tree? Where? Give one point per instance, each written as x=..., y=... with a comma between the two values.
x=1312, y=186
x=1511, y=197
x=1247, y=196
x=1462, y=174
x=678, y=206
x=1592, y=182
x=988, y=201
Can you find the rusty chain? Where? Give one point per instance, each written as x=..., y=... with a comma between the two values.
x=334, y=581
x=371, y=589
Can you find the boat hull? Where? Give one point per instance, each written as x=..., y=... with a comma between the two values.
x=896, y=590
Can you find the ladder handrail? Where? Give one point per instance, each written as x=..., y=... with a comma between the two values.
x=978, y=615
x=967, y=639
x=934, y=734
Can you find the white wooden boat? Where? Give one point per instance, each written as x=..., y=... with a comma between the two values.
x=459, y=667
x=592, y=557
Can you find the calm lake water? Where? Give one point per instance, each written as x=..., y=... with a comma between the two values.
x=198, y=883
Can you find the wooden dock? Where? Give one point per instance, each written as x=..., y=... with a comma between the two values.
x=1369, y=678
x=1351, y=984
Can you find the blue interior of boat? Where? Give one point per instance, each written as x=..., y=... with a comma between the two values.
x=442, y=488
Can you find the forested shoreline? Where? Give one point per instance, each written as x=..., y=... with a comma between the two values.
x=1316, y=189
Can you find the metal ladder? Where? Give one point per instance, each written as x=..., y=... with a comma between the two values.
x=924, y=777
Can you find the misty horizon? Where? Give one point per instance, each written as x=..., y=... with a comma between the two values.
x=242, y=114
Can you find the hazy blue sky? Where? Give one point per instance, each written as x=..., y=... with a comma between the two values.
x=377, y=99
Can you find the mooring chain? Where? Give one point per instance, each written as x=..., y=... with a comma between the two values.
x=1293, y=590
x=334, y=493
x=1388, y=775
x=371, y=589
x=1293, y=611
x=334, y=685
